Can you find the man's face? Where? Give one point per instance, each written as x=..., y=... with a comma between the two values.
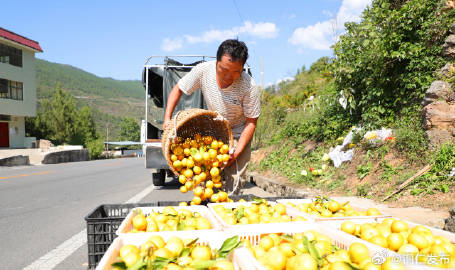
x=228, y=71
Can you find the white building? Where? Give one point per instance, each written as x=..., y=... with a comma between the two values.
x=17, y=87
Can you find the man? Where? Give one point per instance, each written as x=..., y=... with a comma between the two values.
x=231, y=92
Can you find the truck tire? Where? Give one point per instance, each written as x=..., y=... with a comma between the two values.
x=159, y=178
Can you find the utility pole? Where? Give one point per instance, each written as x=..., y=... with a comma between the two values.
x=107, y=140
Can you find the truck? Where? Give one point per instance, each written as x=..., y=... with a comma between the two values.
x=158, y=80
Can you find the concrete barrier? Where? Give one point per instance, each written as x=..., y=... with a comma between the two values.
x=15, y=161
x=66, y=156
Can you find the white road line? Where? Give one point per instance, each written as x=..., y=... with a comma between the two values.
x=65, y=249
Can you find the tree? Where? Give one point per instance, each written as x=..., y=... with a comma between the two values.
x=84, y=126
x=129, y=130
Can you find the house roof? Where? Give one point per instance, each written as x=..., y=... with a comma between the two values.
x=20, y=39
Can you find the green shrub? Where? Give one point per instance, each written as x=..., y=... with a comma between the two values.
x=96, y=148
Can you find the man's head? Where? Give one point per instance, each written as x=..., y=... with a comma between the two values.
x=237, y=50
x=230, y=58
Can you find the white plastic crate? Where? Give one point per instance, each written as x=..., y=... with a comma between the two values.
x=241, y=227
x=127, y=224
x=244, y=258
x=336, y=224
x=295, y=210
x=213, y=238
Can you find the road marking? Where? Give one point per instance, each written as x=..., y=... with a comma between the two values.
x=26, y=174
x=64, y=250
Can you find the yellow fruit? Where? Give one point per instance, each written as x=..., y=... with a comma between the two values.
x=189, y=185
x=177, y=164
x=408, y=249
x=208, y=192
x=130, y=259
x=183, y=189
x=217, y=185
x=222, y=196
x=209, y=184
x=157, y=240
x=203, y=224
x=163, y=252
x=139, y=222
x=126, y=249
x=205, y=156
x=212, y=154
x=276, y=260
x=302, y=261
x=197, y=180
x=388, y=222
x=395, y=241
x=339, y=266
x=369, y=233
x=197, y=200
x=188, y=173
x=390, y=264
x=379, y=240
x=333, y=206
x=373, y=212
x=222, y=264
x=203, y=176
x=214, y=145
x=358, y=252
x=198, y=191
x=189, y=163
x=266, y=243
x=214, y=198
x=183, y=203
x=348, y=227
x=198, y=157
x=214, y=172
x=371, y=266
x=197, y=170
x=418, y=240
x=174, y=247
x=201, y=253
x=182, y=179
x=399, y=226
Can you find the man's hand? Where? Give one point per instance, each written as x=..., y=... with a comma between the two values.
x=165, y=123
x=232, y=158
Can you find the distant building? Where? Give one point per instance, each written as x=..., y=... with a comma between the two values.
x=17, y=87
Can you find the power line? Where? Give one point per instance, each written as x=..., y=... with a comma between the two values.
x=238, y=11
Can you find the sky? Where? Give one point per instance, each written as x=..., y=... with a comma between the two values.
x=114, y=38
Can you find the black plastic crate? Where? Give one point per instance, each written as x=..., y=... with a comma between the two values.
x=102, y=223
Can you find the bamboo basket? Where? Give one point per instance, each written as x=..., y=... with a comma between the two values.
x=187, y=123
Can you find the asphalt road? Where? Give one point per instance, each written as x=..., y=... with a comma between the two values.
x=43, y=207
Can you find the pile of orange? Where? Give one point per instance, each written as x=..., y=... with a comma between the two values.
x=199, y=161
x=398, y=236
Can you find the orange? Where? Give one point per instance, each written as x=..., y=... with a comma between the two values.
x=214, y=145
x=379, y=240
x=208, y=192
x=209, y=184
x=188, y=173
x=197, y=170
x=197, y=200
x=203, y=176
x=408, y=249
x=222, y=264
x=201, y=253
x=130, y=259
x=276, y=259
x=214, y=172
x=373, y=212
x=369, y=233
x=126, y=249
x=418, y=240
x=163, y=252
x=182, y=179
x=224, y=149
x=266, y=243
x=189, y=185
x=395, y=241
x=183, y=189
x=399, y=226
x=333, y=206
x=358, y=252
x=139, y=222
x=302, y=261
x=198, y=191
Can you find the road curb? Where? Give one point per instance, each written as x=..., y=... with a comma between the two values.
x=276, y=187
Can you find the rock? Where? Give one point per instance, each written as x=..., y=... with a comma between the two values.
x=439, y=115
x=446, y=71
x=448, y=49
x=449, y=4
x=438, y=137
x=437, y=90
x=452, y=29
x=450, y=221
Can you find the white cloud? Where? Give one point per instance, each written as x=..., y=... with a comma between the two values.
x=262, y=30
x=171, y=44
x=322, y=35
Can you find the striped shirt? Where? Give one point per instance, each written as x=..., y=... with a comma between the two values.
x=239, y=100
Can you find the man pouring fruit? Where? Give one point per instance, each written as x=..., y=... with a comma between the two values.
x=230, y=91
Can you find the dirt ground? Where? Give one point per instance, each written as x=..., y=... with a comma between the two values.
x=430, y=210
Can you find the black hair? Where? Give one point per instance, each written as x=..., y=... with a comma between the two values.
x=234, y=48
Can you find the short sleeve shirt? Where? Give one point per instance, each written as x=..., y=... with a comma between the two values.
x=239, y=100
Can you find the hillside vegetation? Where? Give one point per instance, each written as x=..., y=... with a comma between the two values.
x=381, y=68
x=110, y=100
